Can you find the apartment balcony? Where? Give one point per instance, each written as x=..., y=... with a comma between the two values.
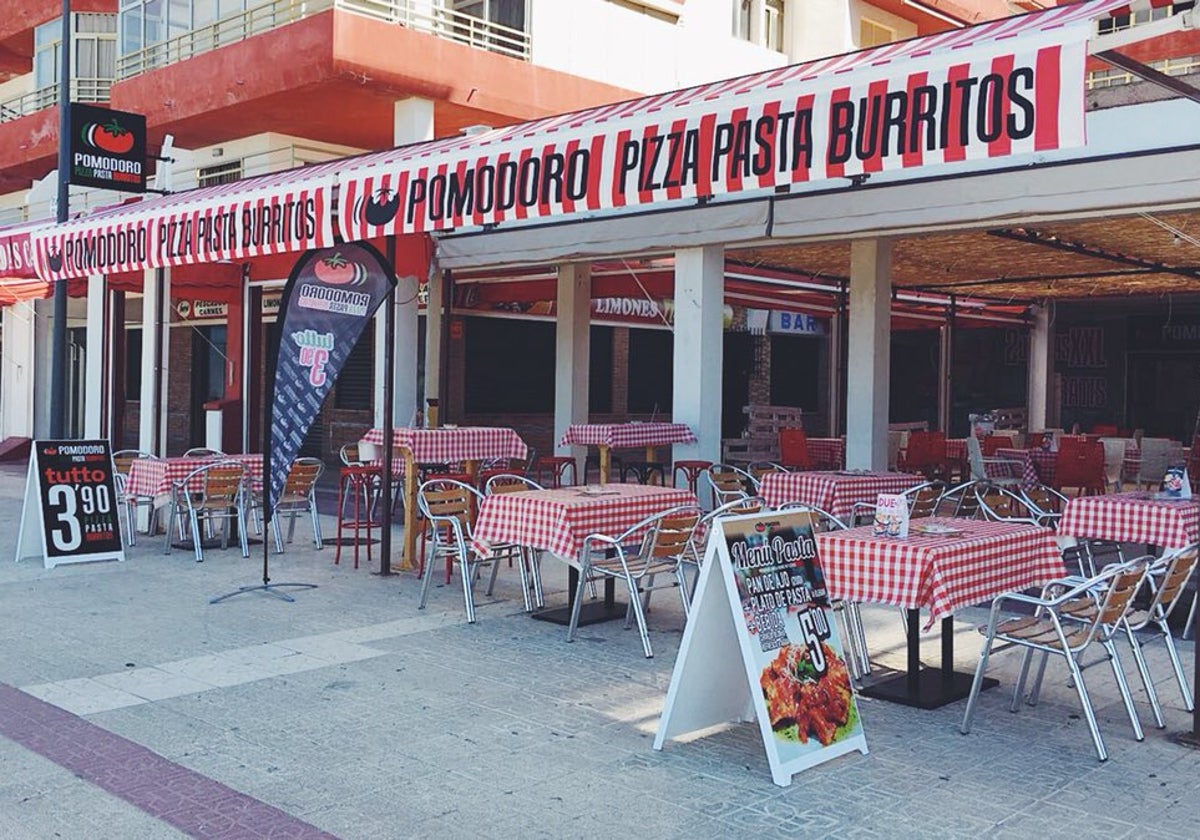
x=412, y=14
x=82, y=90
x=329, y=70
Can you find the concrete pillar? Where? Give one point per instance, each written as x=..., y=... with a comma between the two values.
x=945, y=367
x=698, y=353
x=156, y=321
x=38, y=360
x=1040, y=378
x=412, y=122
x=572, y=346
x=838, y=327
x=97, y=327
x=17, y=368
x=433, y=338
x=869, y=355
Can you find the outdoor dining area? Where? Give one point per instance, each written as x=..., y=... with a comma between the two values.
x=1078, y=551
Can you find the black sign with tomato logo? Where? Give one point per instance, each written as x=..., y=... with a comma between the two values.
x=78, y=498
x=108, y=148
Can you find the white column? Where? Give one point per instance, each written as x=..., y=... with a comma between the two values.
x=870, y=354
x=412, y=122
x=17, y=370
x=152, y=413
x=433, y=341
x=1039, y=369
x=572, y=347
x=698, y=352
x=94, y=390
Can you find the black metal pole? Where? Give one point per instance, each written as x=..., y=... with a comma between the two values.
x=58, y=327
x=389, y=376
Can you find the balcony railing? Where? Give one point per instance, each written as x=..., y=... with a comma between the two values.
x=259, y=163
x=1170, y=66
x=421, y=15
x=82, y=90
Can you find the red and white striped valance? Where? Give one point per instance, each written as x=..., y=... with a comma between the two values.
x=256, y=217
x=1006, y=87
x=16, y=250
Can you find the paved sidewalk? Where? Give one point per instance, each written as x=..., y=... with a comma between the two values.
x=131, y=708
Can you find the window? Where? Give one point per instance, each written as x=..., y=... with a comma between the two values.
x=651, y=371
x=221, y=173
x=872, y=34
x=356, y=383
x=645, y=8
x=600, y=370
x=510, y=13
x=95, y=54
x=1115, y=23
x=133, y=365
x=495, y=383
x=773, y=28
x=741, y=19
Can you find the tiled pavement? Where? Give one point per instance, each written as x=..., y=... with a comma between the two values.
x=351, y=713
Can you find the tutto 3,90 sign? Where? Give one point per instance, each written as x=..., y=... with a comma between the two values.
x=71, y=513
x=108, y=148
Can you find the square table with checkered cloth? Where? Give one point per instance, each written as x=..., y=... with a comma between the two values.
x=559, y=520
x=1037, y=465
x=626, y=435
x=154, y=477
x=827, y=453
x=452, y=445
x=941, y=572
x=1136, y=517
x=834, y=492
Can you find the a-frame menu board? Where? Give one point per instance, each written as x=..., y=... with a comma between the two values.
x=761, y=642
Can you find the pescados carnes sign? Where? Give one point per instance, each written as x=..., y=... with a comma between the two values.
x=108, y=148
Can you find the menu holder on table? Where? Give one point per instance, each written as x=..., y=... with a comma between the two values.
x=1175, y=484
x=891, y=516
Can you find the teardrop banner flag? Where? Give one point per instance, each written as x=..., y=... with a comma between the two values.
x=330, y=296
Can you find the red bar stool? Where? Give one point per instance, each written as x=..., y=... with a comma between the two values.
x=356, y=490
x=692, y=470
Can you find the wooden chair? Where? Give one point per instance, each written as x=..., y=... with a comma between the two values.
x=298, y=496
x=528, y=559
x=448, y=507
x=221, y=498
x=122, y=463
x=1069, y=616
x=666, y=540
x=203, y=452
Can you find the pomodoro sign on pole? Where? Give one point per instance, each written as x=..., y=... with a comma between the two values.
x=992, y=98
x=107, y=148
x=279, y=217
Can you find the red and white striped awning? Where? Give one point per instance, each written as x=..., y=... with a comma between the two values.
x=1006, y=87
x=16, y=250
x=1012, y=86
x=255, y=217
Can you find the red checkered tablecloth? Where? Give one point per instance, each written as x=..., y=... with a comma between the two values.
x=155, y=476
x=943, y=573
x=1037, y=465
x=445, y=445
x=1132, y=517
x=626, y=435
x=956, y=449
x=827, y=453
x=558, y=521
x=834, y=492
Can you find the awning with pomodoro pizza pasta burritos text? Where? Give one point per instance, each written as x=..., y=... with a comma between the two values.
x=1006, y=87
x=262, y=216
x=16, y=250
x=1011, y=86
